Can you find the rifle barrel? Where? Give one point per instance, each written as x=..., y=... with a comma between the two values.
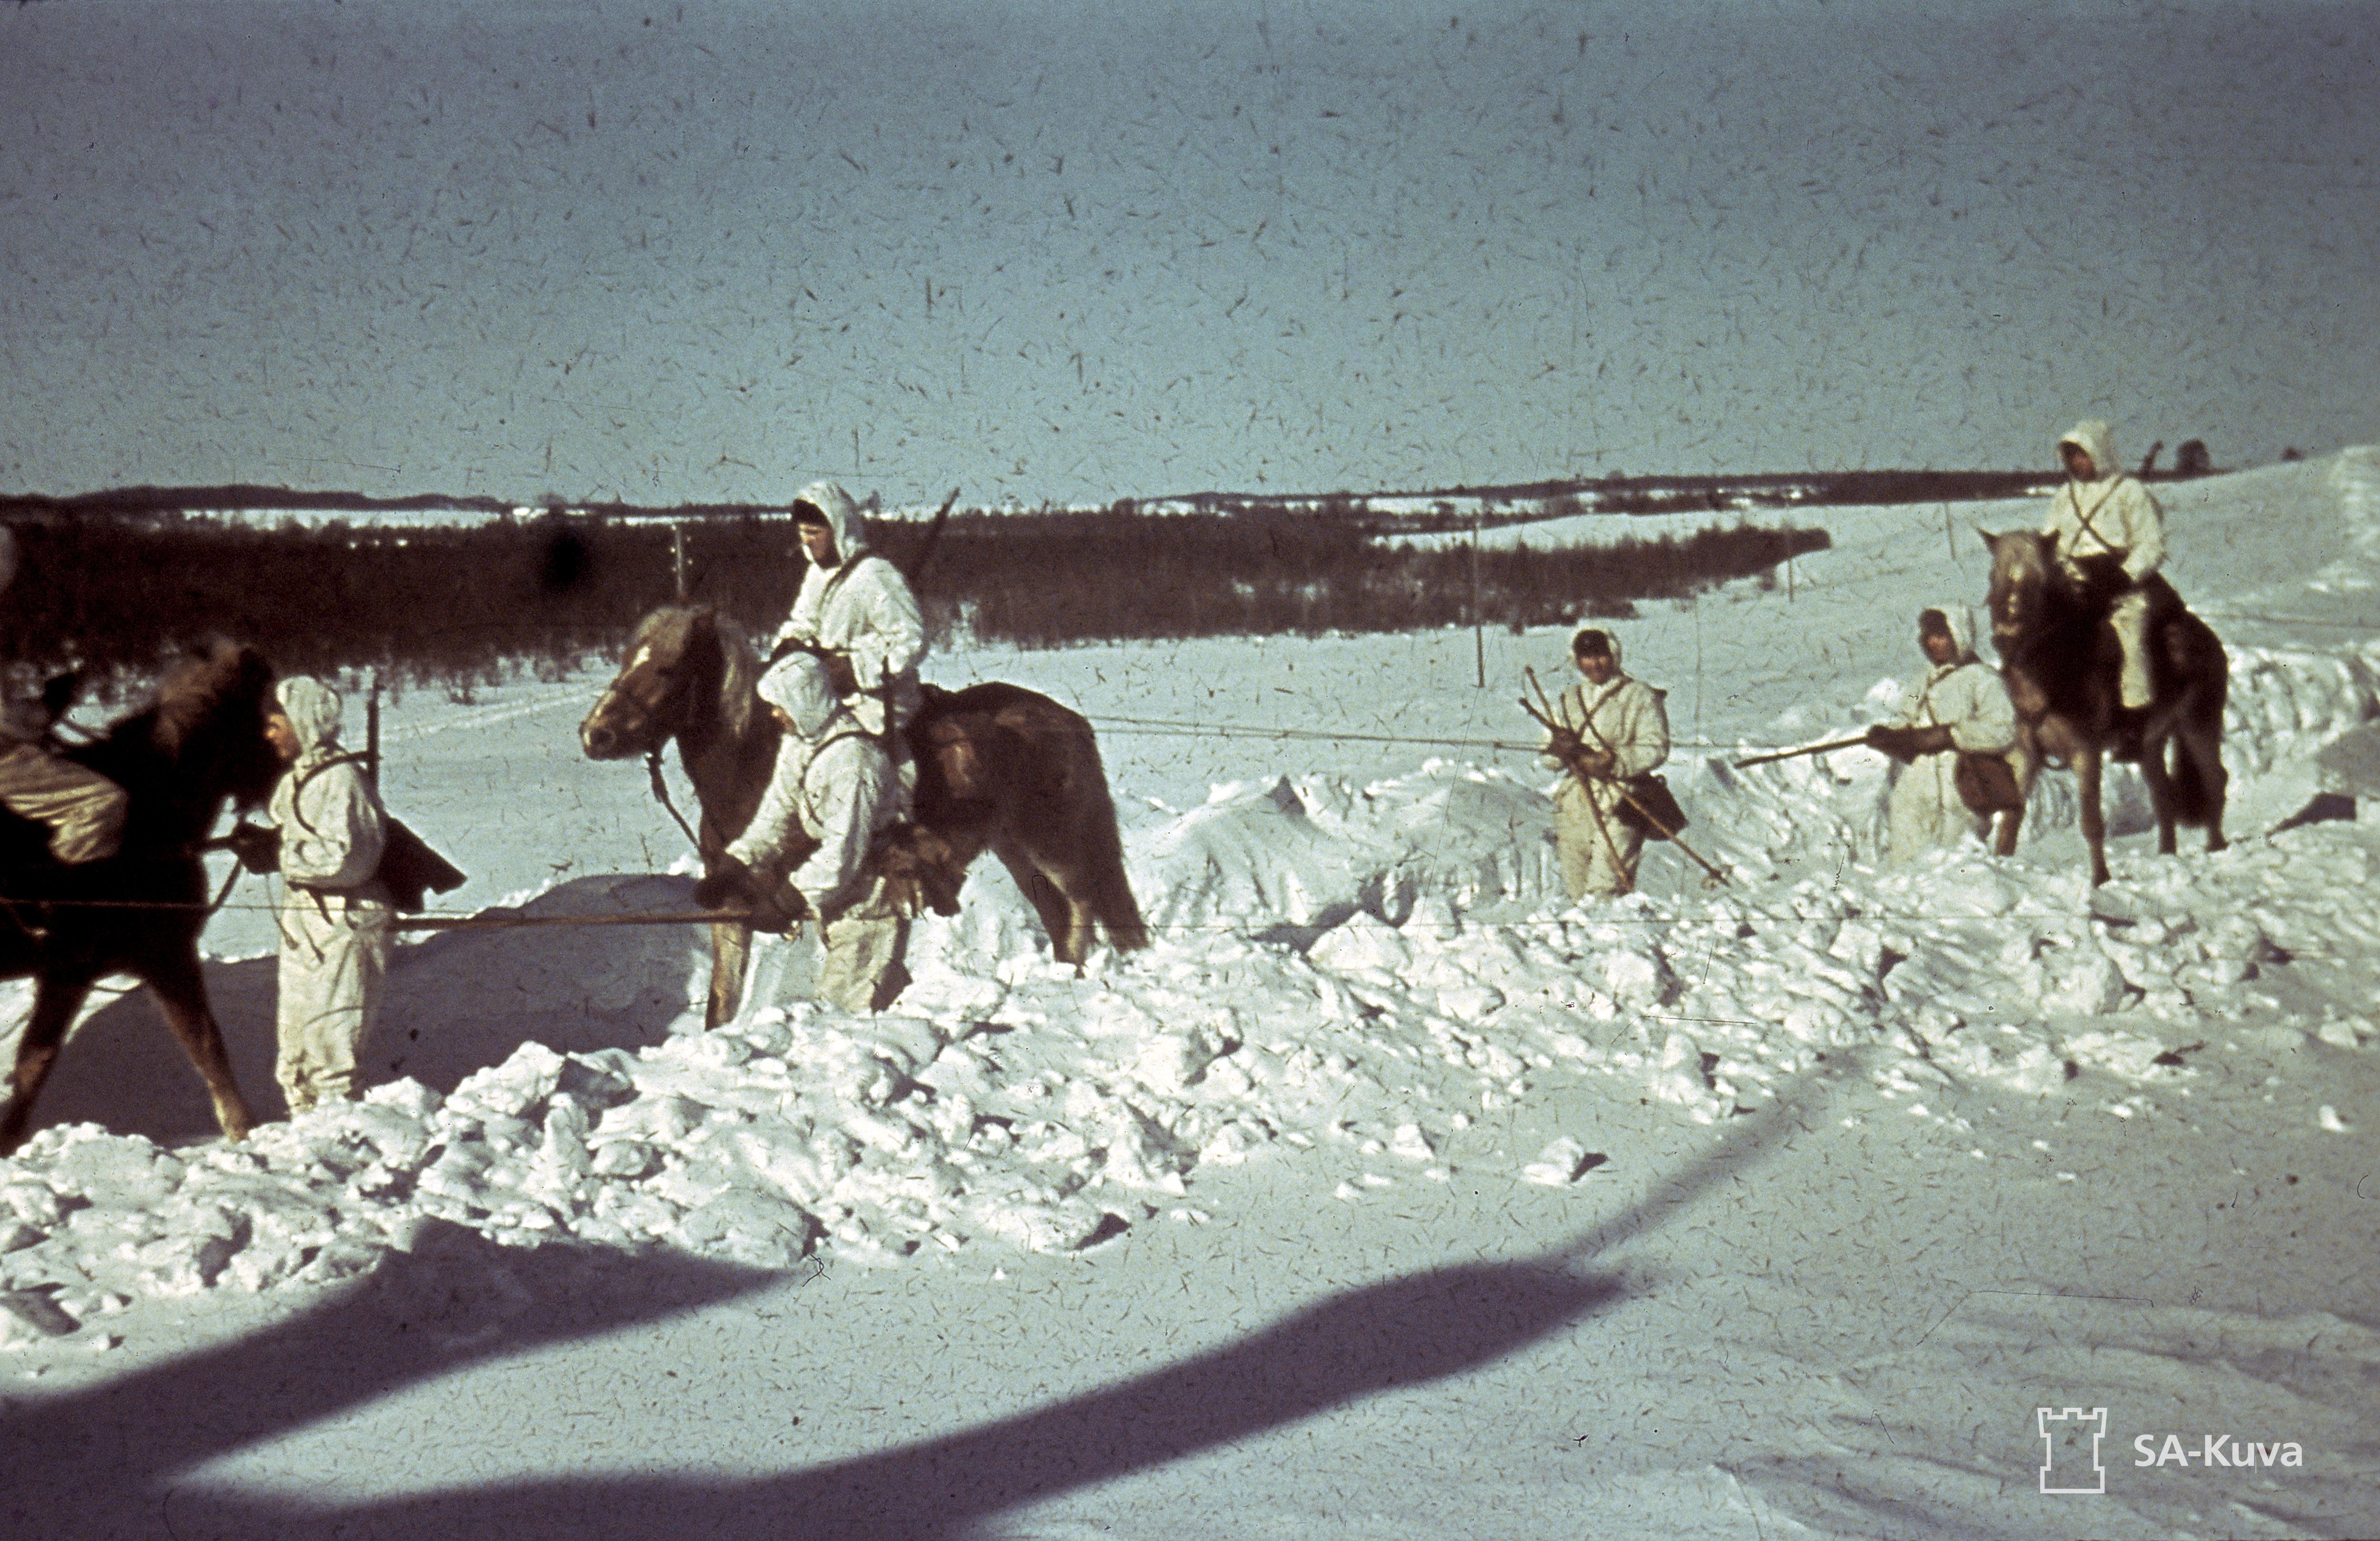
x=1805, y=749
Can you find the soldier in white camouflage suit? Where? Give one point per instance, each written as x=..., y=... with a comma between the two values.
x=1961, y=705
x=2103, y=512
x=1608, y=728
x=804, y=852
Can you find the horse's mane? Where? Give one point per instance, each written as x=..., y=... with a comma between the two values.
x=739, y=673
x=195, y=691
x=2065, y=647
x=739, y=666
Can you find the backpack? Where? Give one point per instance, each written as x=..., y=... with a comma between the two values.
x=408, y=868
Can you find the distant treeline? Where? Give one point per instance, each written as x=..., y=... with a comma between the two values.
x=1614, y=492
x=457, y=605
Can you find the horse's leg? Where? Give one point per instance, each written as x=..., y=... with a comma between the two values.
x=2094, y=822
x=2028, y=771
x=2161, y=792
x=1068, y=923
x=2203, y=743
x=180, y=991
x=55, y=1004
x=731, y=950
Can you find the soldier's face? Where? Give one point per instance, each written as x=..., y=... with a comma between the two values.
x=282, y=736
x=2079, y=464
x=817, y=543
x=1939, y=647
x=1596, y=667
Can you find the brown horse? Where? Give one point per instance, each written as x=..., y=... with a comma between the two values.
x=998, y=768
x=2062, y=660
x=139, y=912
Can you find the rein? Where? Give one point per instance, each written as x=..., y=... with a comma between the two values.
x=661, y=793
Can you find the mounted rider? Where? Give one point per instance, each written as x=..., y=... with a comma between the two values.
x=1608, y=729
x=856, y=611
x=804, y=853
x=2103, y=513
x=1962, y=708
x=83, y=810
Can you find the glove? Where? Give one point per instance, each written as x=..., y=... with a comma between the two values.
x=840, y=673
x=257, y=847
x=1890, y=741
x=1597, y=764
x=731, y=883
x=728, y=882
x=779, y=910
x=1906, y=744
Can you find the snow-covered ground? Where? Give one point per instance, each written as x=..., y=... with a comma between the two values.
x=1384, y=1195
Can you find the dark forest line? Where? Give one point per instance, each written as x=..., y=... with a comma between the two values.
x=462, y=604
x=1505, y=502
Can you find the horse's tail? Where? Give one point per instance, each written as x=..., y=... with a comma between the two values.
x=1117, y=909
x=1110, y=898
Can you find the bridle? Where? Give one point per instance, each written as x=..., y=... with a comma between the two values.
x=655, y=712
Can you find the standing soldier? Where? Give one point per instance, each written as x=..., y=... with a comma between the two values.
x=326, y=836
x=83, y=809
x=2102, y=511
x=1608, y=728
x=1962, y=706
x=833, y=788
x=856, y=611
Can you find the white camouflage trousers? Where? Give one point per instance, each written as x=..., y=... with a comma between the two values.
x=1924, y=812
x=1592, y=867
x=334, y=961
x=2130, y=618
x=865, y=946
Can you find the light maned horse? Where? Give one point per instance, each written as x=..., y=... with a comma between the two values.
x=2062, y=660
x=1000, y=768
x=139, y=912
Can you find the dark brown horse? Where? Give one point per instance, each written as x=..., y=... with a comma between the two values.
x=2062, y=661
x=139, y=912
x=1000, y=768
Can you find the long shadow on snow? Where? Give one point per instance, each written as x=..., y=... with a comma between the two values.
x=456, y=1300
x=1401, y=1332
x=456, y=1003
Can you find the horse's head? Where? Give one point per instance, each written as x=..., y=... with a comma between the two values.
x=672, y=680
x=2022, y=572
x=920, y=870
x=203, y=740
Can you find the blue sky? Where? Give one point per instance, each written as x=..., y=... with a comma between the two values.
x=665, y=252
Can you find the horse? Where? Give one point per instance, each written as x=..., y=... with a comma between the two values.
x=2062, y=662
x=998, y=768
x=200, y=743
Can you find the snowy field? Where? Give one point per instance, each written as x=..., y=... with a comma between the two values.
x=1384, y=1196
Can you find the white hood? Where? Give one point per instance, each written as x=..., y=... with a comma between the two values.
x=313, y=708
x=796, y=684
x=841, y=518
x=2096, y=440
x=1960, y=622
